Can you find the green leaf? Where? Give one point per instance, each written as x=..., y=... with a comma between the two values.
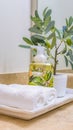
x=67, y=23
x=70, y=54
x=70, y=31
x=49, y=27
x=37, y=15
x=47, y=13
x=35, y=29
x=34, y=51
x=44, y=12
x=46, y=21
x=71, y=57
x=70, y=20
x=65, y=35
x=28, y=41
x=71, y=64
x=37, y=21
x=34, y=40
x=37, y=39
x=58, y=33
x=53, y=42
x=64, y=50
x=51, y=36
x=24, y=46
x=71, y=28
x=66, y=61
x=47, y=44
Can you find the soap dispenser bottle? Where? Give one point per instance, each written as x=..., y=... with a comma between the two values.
x=40, y=56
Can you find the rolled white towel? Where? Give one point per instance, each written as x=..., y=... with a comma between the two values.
x=22, y=96
x=25, y=96
x=50, y=94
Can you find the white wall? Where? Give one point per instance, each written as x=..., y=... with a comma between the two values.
x=61, y=9
x=14, y=24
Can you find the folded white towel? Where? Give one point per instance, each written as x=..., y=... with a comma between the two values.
x=26, y=97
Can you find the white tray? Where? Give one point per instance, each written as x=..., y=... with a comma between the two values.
x=20, y=113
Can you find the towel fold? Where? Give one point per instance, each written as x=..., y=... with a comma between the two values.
x=25, y=96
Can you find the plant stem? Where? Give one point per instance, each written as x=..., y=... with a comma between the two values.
x=59, y=45
x=55, y=60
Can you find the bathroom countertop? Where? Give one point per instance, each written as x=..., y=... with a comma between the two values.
x=58, y=119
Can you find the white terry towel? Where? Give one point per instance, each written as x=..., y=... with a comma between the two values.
x=50, y=94
x=22, y=96
x=26, y=97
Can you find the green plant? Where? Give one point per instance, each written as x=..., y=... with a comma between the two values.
x=42, y=30
x=45, y=33
x=63, y=43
